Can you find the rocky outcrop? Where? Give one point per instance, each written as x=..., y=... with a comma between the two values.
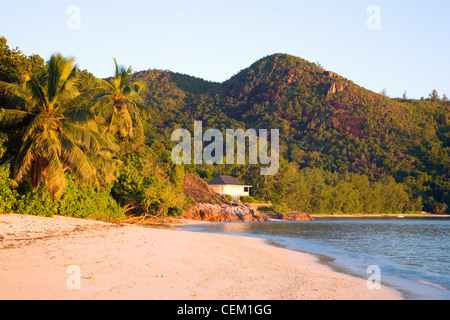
x=331, y=74
x=238, y=212
x=294, y=216
x=198, y=190
x=233, y=212
x=335, y=87
x=297, y=216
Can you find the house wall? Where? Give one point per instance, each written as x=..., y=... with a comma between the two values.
x=234, y=191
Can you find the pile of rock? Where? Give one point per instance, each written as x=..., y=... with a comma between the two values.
x=233, y=212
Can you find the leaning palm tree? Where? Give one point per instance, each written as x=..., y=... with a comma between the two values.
x=118, y=105
x=58, y=132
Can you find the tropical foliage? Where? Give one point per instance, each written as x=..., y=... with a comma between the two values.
x=150, y=183
x=325, y=121
x=118, y=104
x=87, y=202
x=57, y=133
x=7, y=193
x=77, y=145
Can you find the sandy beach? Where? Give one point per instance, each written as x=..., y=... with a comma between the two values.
x=134, y=262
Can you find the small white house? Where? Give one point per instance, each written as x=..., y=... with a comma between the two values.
x=226, y=185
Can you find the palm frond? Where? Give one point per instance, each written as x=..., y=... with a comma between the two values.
x=77, y=158
x=85, y=99
x=81, y=116
x=32, y=129
x=117, y=72
x=106, y=111
x=89, y=139
x=48, y=142
x=61, y=76
x=115, y=82
x=136, y=86
x=23, y=161
x=107, y=168
x=135, y=113
x=125, y=77
x=53, y=76
x=113, y=121
x=127, y=123
x=132, y=90
x=134, y=96
x=13, y=89
x=100, y=83
x=12, y=117
x=37, y=96
x=120, y=122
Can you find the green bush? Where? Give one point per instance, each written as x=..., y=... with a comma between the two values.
x=437, y=207
x=248, y=199
x=266, y=209
x=37, y=203
x=77, y=201
x=86, y=202
x=7, y=193
x=280, y=208
x=149, y=183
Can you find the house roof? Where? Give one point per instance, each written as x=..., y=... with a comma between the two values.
x=226, y=180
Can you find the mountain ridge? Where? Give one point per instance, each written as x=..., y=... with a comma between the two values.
x=325, y=120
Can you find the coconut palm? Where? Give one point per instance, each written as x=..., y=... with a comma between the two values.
x=118, y=106
x=58, y=132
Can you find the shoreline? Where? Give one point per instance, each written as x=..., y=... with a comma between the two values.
x=134, y=262
x=384, y=215
x=326, y=260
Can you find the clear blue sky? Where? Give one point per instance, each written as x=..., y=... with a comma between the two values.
x=216, y=39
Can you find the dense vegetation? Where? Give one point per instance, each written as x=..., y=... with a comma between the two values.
x=327, y=123
x=106, y=146
x=70, y=142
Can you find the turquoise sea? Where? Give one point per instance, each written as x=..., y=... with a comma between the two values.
x=413, y=253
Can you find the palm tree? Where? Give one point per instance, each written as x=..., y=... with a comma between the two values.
x=118, y=104
x=58, y=132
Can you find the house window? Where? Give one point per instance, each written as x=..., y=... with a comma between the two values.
x=245, y=189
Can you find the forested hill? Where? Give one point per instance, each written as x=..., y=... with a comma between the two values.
x=343, y=148
x=325, y=120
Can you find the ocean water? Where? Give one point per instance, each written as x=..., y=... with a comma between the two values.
x=413, y=253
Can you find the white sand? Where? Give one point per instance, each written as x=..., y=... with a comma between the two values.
x=132, y=262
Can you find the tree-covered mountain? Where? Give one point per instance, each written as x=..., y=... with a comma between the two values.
x=325, y=121
x=343, y=148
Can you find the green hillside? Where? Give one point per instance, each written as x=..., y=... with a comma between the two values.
x=343, y=148
x=325, y=120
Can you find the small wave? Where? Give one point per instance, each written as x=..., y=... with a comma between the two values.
x=433, y=284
